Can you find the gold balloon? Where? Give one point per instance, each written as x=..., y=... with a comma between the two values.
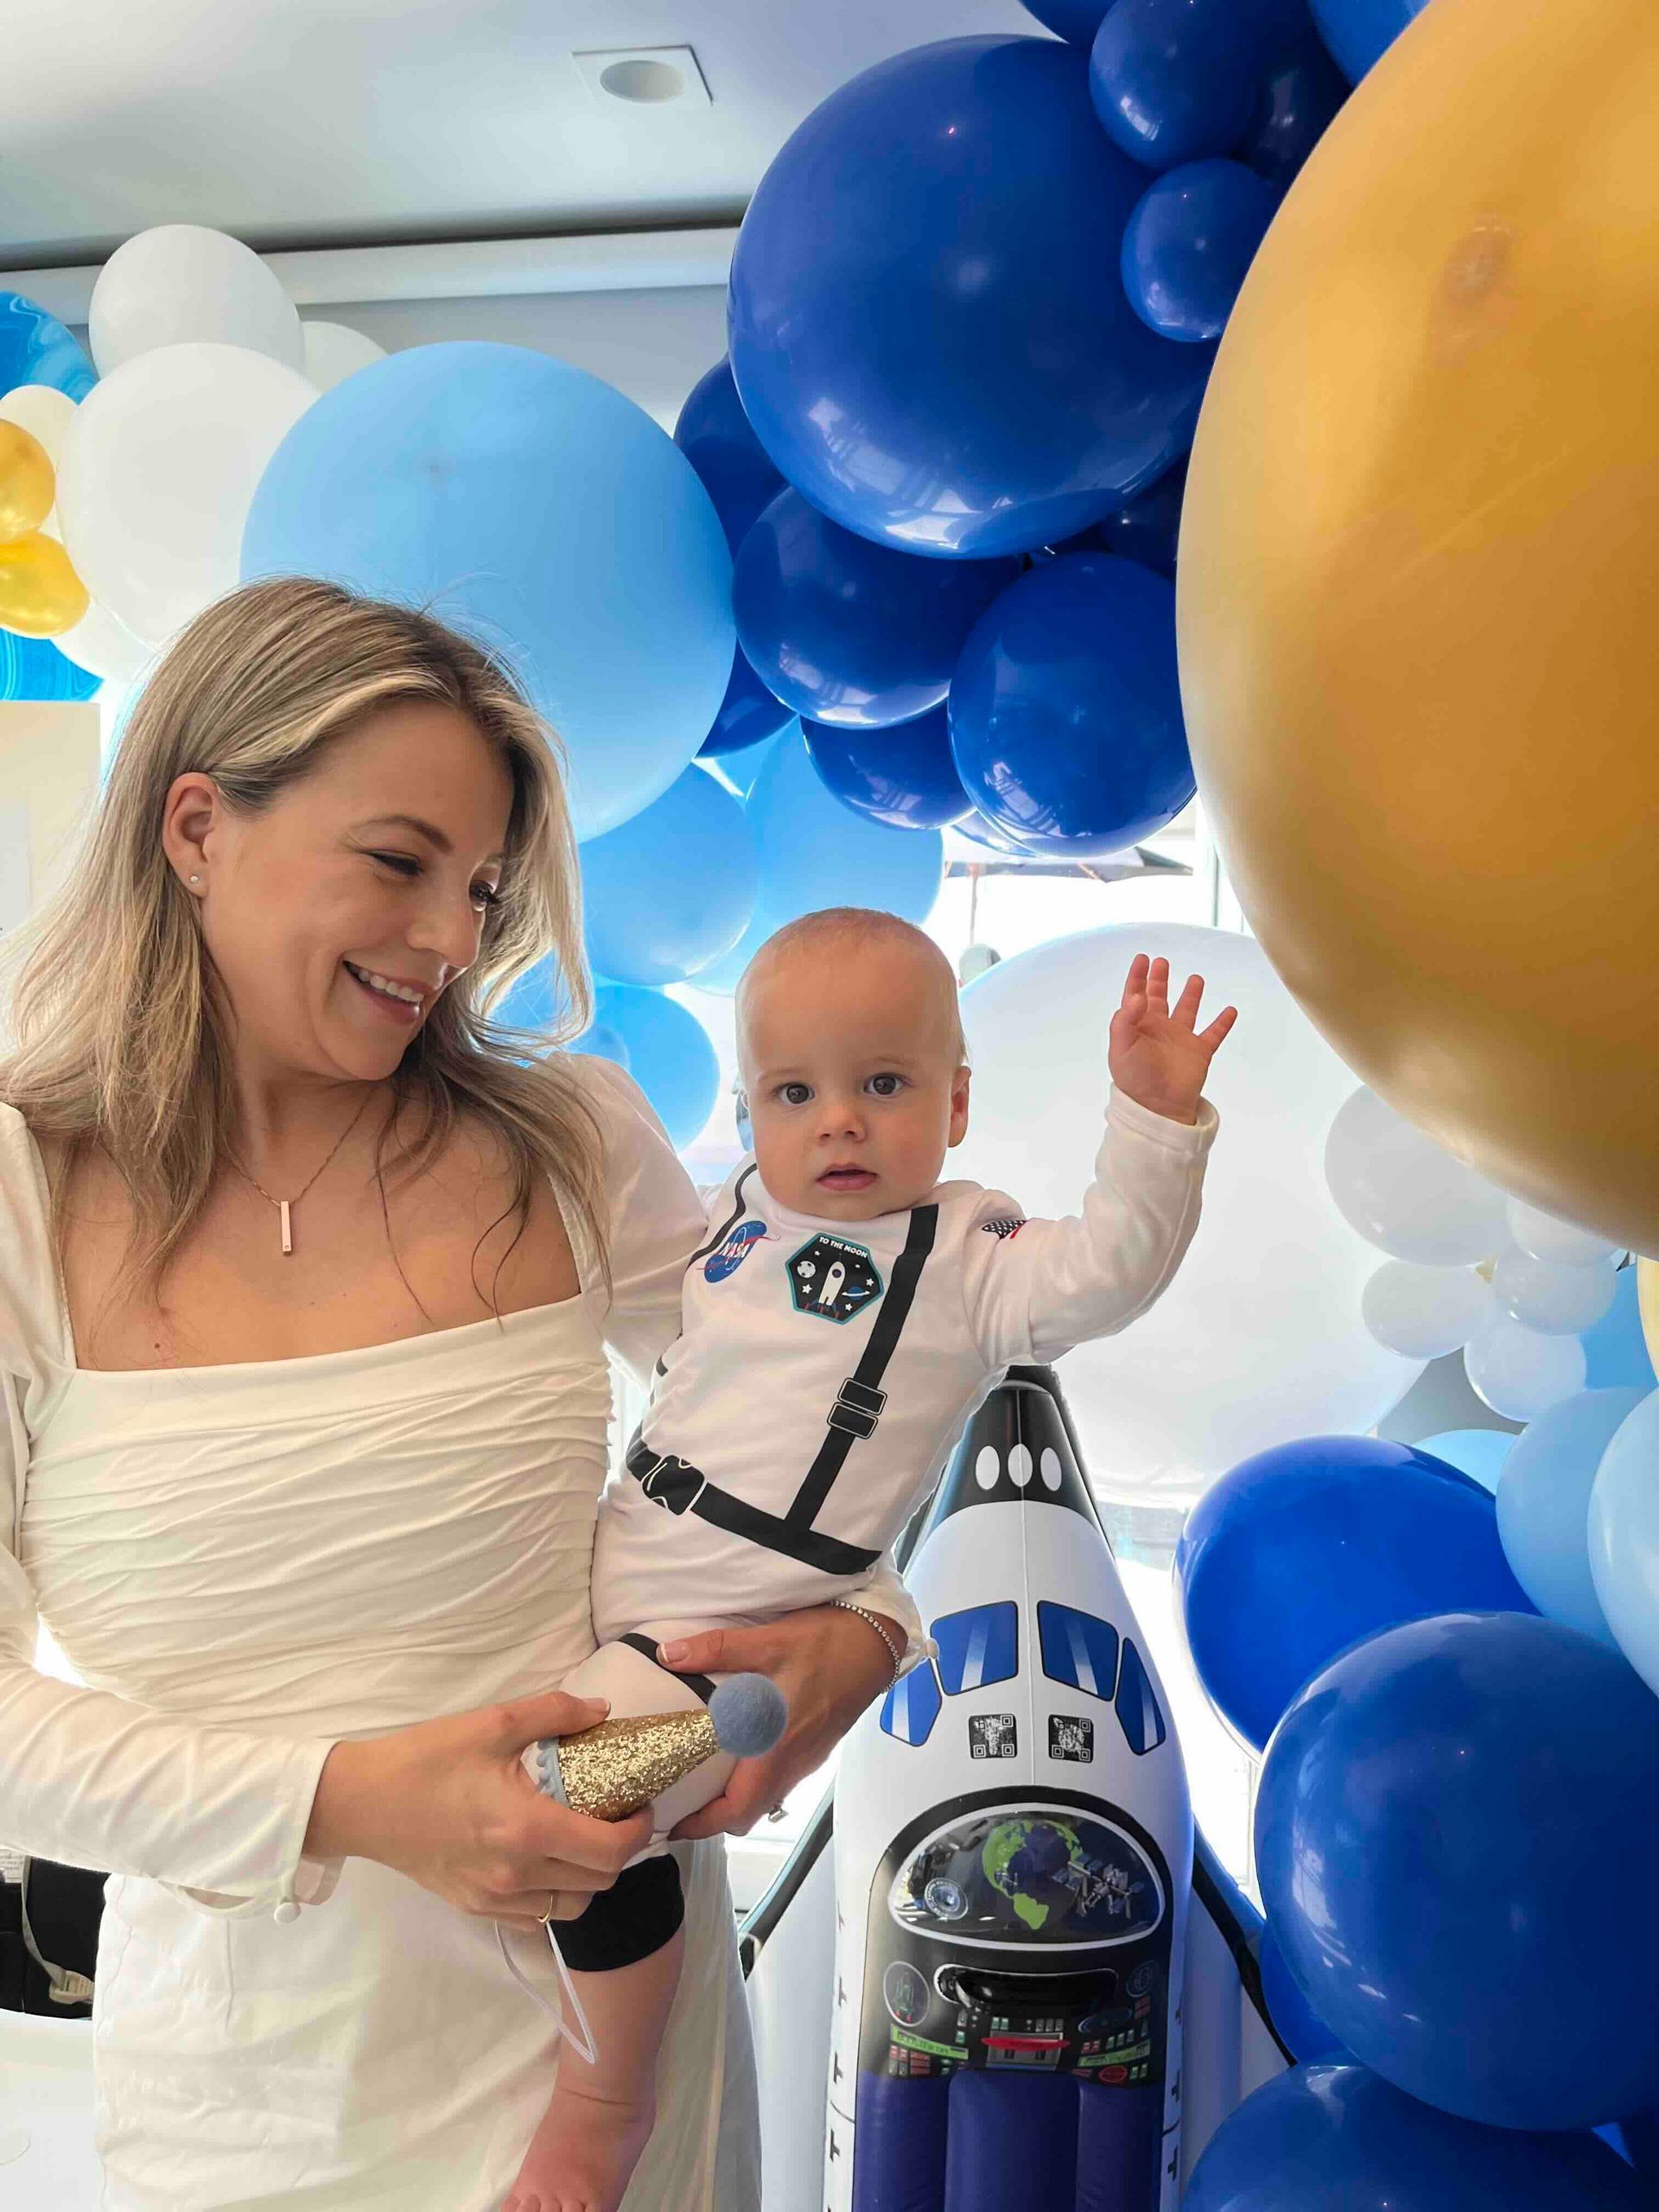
x=1647, y=1293
x=40, y=595
x=28, y=488
x=1418, y=594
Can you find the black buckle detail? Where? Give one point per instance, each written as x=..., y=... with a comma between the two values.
x=672, y=1484
x=857, y=1408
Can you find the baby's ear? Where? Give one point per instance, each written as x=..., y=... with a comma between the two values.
x=960, y=1086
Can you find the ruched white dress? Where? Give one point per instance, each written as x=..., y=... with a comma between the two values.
x=247, y=1563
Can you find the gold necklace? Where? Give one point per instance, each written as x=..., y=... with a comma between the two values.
x=282, y=1205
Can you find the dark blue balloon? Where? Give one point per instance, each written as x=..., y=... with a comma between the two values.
x=748, y=713
x=1174, y=80
x=927, y=326
x=1144, y=529
x=1076, y=19
x=32, y=668
x=1189, y=243
x=1305, y=1549
x=1454, y=1842
x=1359, y=31
x=36, y=348
x=1295, y=102
x=713, y=434
x=1335, y=2138
x=851, y=633
x=1297, y=2025
x=673, y=888
x=1066, y=710
x=905, y=776
x=978, y=831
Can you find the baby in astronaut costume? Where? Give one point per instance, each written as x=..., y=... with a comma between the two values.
x=845, y=1315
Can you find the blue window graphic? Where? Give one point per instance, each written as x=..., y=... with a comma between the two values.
x=1078, y=1650
x=912, y=1706
x=978, y=1646
x=1137, y=1707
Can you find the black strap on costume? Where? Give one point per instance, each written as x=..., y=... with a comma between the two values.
x=859, y=1404
x=681, y=1488
x=699, y=1683
x=740, y=1207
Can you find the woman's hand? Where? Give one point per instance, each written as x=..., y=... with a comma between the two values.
x=1158, y=1055
x=448, y=1804
x=828, y=1663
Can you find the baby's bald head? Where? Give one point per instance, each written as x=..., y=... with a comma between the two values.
x=850, y=1046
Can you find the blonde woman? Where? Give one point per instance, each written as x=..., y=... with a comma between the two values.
x=308, y=1274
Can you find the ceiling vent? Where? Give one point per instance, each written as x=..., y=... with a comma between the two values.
x=644, y=76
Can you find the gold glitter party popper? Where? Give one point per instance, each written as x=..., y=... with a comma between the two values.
x=612, y=1769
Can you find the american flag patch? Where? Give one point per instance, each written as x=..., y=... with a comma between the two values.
x=1006, y=1225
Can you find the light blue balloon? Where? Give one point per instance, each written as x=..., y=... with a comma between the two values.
x=672, y=889
x=1615, y=1351
x=670, y=1055
x=1624, y=1535
x=816, y=852
x=531, y=505
x=536, y=1001
x=1543, y=1504
x=1478, y=1453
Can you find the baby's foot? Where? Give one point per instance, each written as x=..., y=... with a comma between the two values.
x=581, y=2157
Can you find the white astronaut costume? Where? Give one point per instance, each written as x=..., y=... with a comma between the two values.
x=822, y=1373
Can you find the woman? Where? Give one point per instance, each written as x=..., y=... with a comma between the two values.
x=306, y=1277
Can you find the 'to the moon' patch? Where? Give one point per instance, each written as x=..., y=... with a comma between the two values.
x=833, y=1278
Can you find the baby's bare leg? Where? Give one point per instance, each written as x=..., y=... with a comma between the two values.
x=596, y=2126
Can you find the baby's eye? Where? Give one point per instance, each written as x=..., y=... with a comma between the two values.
x=795, y=1094
x=886, y=1086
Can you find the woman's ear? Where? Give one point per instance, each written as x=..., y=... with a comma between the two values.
x=959, y=1088
x=188, y=814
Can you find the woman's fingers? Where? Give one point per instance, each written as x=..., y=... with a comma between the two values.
x=721, y=1651
x=577, y=1851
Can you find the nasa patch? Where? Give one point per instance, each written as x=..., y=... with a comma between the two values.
x=833, y=1278
x=729, y=1257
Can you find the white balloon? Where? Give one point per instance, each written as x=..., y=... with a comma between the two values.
x=181, y=285
x=158, y=474
x=104, y=647
x=1519, y=1372
x=1424, y=1313
x=1403, y=1193
x=1557, y=1301
x=332, y=353
x=1260, y=1338
x=44, y=411
x=1545, y=1236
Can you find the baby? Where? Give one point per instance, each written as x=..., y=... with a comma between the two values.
x=847, y=1314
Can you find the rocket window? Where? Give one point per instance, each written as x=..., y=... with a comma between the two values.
x=1078, y=1649
x=977, y=1647
x=913, y=1705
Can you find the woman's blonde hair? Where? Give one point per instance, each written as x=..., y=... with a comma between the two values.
x=118, y=1041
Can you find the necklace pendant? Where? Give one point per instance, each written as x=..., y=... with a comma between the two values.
x=288, y=1233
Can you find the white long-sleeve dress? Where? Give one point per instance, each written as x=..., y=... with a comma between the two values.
x=246, y=1563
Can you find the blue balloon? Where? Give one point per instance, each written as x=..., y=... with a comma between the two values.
x=36, y=348
x=537, y=1001
x=1478, y=1453
x=1615, y=1350
x=1174, y=80
x=1305, y=1549
x=748, y=713
x=527, y=502
x=1295, y=2023
x=927, y=326
x=741, y=769
x=1065, y=708
x=1190, y=243
x=673, y=888
x=1145, y=528
x=979, y=830
x=1295, y=103
x=599, y=1041
x=1358, y=32
x=668, y=1054
x=1076, y=19
x=1623, y=1538
x=816, y=853
x=1543, y=1504
x=1454, y=1819
x=905, y=776
x=713, y=434
x=1331, y=2136
x=32, y=668
x=848, y=632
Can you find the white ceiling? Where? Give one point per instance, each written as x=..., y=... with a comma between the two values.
x=303, y=122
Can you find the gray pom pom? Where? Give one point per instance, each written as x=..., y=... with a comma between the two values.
x=749, y=1715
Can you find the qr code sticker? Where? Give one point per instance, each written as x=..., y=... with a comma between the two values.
x=992, y=1736
x=1071, y=1736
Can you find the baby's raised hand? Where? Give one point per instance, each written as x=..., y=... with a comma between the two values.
x=1158, y=1055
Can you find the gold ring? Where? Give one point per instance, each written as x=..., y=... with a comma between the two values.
x=551, y=1902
